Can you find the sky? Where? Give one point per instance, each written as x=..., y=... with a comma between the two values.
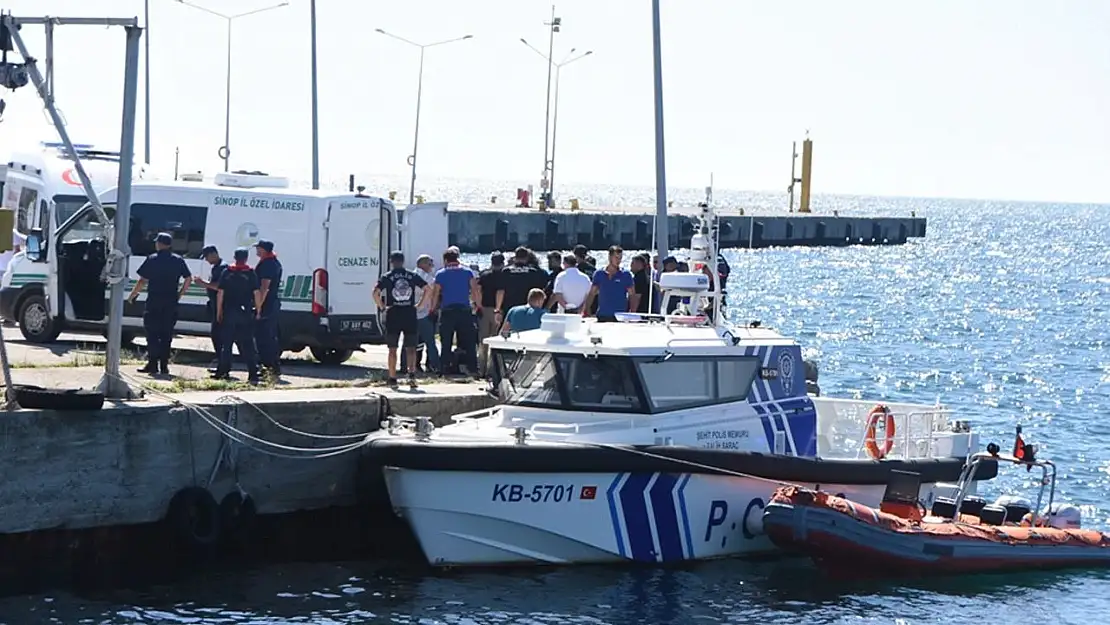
x=993, y=99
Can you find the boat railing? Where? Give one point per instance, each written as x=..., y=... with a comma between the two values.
x=474, y=415
x=919, y=429
x=572, y=429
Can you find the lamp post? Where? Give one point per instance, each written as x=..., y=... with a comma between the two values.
x=553, y=26
x=315, y=102
x=419, y=93
x=660, y=158
x=570, y=58
x=146, y=81
x=225, y=150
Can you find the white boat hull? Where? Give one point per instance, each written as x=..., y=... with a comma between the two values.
x=482, y=519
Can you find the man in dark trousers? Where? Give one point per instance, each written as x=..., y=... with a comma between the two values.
x=395, y=294
x=162, y=273
x=238, y=301
x=266, y=327
x=489, y=283
x=212, y=256
x=456, y=294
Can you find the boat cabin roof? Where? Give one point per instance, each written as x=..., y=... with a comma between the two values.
x=638, y=335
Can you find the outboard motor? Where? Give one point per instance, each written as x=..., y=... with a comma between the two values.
x=992, y=515
x=811, y=378
x=1016, y=507
x=1063, y=516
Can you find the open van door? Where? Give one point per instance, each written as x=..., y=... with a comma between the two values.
x=359, y=234
x=424, y=230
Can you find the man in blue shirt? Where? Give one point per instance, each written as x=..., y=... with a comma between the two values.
x=212, y=256
x=528, y=316
x=238, y=300
x=162, y=272
x=613, y=287
x=266, y=328
x=455, y=294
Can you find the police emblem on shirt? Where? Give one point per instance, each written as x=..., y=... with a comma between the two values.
x=402, y=290
x=786, y=372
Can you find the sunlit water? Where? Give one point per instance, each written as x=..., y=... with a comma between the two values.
x=1003, y=312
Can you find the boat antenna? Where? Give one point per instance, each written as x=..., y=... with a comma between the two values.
x=720, y=308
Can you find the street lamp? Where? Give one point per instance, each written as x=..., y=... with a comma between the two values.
x=225, y=150
x=570, y=58
x=419, y=92
x=554, y=26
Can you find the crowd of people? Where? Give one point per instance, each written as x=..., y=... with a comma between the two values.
x=243, y=306
x=460, y=305
x=464, y=305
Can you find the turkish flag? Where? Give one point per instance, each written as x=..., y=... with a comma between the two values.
x=588, y=492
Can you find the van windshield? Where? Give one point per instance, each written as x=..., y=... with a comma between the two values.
x=65, y=206
x=88, y=226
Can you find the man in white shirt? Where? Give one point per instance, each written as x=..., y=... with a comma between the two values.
x=425, y=325
x=570, y=288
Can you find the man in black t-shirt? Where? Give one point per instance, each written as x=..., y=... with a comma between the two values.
x=517, y=280
x=490, y=282
x=586, y=263
x=395, y=294
x=554, y=268
x=641, y=282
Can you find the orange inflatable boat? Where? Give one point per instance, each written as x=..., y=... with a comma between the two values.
x=960, y=535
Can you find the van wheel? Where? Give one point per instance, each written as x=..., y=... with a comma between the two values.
x=34, y=320
x=331, y=355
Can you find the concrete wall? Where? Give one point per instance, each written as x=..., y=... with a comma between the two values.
x=483, y=231
x=122, y=465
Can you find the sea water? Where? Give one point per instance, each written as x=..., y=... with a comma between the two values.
x=1003, y=312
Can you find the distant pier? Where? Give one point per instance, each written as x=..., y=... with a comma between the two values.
x=483, y=229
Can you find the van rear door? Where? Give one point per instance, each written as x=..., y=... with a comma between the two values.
x=359, y=232
x=424, y=231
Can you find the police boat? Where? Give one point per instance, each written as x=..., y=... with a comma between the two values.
x=651, y=439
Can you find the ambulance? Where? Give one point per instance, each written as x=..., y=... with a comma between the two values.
x=332, y=247
x=36, y=179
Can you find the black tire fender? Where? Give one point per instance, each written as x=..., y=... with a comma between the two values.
x=29, y=396
x=238, y=514
x=194, y=517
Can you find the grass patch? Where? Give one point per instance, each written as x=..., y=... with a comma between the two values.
x=82, y=358
x=184, y=385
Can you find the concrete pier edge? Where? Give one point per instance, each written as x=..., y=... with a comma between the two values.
x=100, y=483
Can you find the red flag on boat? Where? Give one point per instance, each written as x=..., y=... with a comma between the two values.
x=1019, y=445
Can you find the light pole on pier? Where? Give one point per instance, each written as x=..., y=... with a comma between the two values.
x=660, y=154
x=419, y=93
x=570, y=58
x=554, y=25
x=225, y=150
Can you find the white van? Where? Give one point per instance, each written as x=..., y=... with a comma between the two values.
x=332, y=248
x=35, y=179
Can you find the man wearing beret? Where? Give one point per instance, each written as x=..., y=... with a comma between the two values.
x=162, y=273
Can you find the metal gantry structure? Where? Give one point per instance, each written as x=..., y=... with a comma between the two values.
x=116, y=269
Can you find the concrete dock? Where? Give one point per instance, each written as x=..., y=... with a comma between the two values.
x=485, y=228
x=92, y=494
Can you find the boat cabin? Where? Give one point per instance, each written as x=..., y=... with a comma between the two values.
x=676, y=368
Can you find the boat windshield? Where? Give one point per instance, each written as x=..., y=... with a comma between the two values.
x=568, y=381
